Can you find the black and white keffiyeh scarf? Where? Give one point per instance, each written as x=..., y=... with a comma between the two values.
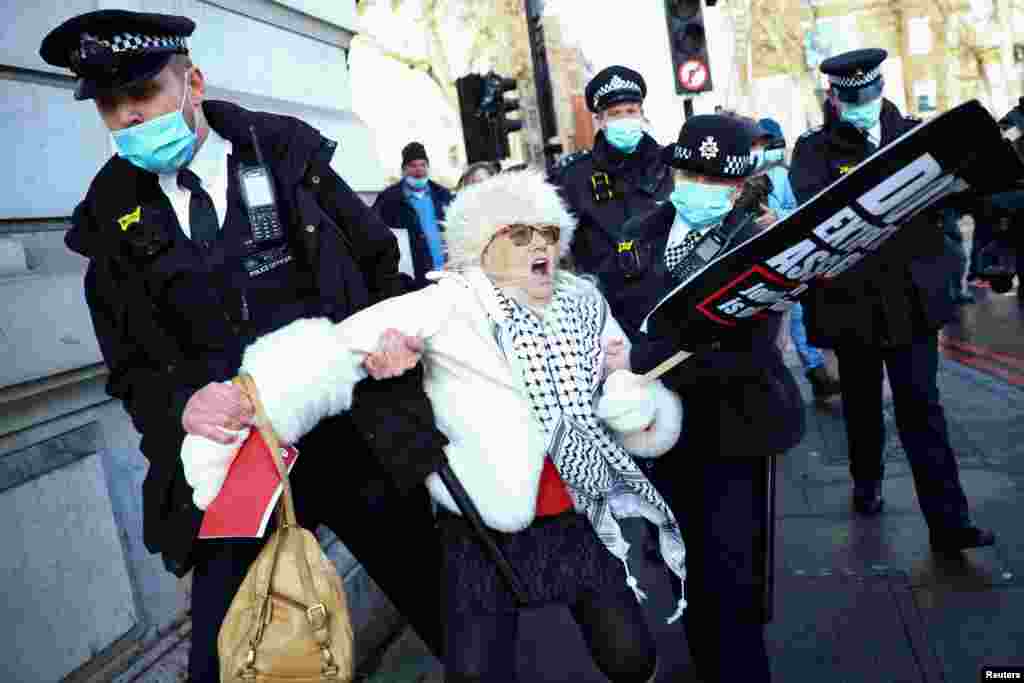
x=561, y=360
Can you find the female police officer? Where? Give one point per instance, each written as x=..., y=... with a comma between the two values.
x=742, y=404
x=193, y=237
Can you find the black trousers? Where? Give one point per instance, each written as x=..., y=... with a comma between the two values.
x=920, y=420
x=335, y=483
x=483, y=646
x=720, y=504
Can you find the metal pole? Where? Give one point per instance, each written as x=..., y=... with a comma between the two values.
x=542, y=79
x=768, y=534
x=688, y=107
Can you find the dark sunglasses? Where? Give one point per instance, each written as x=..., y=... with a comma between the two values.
x=522, y=235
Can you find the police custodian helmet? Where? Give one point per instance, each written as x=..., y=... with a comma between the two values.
x=112, y=49
x=712, y=145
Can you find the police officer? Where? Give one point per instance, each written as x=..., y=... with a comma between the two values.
x=622, y=176
x=211, y=226
x=741, y=404
x=886, y=311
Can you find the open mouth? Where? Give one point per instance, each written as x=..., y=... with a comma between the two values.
x=541, y=267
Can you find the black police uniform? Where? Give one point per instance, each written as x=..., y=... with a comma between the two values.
x=606, y=187
x=887, y=311
x=742, y=405
x=172, y=315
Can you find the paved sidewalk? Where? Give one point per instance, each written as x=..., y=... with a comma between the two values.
x=856, y=599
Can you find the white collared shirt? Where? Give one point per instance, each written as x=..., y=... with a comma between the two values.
x=210, y=164
x=874, y=134
x=680, y=228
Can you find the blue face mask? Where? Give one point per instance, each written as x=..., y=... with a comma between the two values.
x=773, y=156
x=416, y=183
x=863, y=116
x=160, y=145
x=624, y=134
x=702, y=206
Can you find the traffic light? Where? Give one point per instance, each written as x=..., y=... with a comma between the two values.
x=495, y=89
x=483, y=108
x=476, y=130
x=689, y=47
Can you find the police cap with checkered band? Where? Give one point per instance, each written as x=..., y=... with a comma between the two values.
x=614, y=85
x=712, y=145
x=112, y=49
x=856, y=77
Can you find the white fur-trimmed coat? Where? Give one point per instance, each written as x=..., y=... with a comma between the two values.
x=308, y=369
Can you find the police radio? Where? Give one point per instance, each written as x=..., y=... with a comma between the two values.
x=258, y=197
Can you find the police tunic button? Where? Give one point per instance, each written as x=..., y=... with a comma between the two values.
x=171, y=367
x=310, y=228
x=315, y=179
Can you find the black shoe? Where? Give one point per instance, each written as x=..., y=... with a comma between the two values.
x=867, y=498
x=822, y=384
x=955, y=540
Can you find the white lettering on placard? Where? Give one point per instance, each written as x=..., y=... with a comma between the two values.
x=732, y=306
x=839, y=228
x=749, y=311
x=905, y=190
x=940, y=188
x=762, y=294
x=784, y=262
x=891, y=197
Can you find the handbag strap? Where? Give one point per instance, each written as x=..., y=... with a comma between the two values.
x=286, y=509
x=316, y=611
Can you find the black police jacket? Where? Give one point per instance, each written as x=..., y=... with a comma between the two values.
x=604, y=189
x=739, y=396
x=354, y=260
x=894, y=296
x=394, y=209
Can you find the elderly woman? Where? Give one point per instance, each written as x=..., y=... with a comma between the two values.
x=514, y=355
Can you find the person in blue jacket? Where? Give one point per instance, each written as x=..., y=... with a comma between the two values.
x=770, y=158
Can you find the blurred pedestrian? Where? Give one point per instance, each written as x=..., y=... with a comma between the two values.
x=769, y=154
x=417, y=205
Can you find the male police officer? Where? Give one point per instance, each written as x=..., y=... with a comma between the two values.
x=886, y=312
x=193, y=237
x=623, y=176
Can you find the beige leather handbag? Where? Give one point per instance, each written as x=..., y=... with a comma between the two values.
x=289, y=621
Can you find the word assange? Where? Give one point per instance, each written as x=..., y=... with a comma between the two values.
x=837, y=243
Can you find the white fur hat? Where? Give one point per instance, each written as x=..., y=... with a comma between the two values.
x=480, y=210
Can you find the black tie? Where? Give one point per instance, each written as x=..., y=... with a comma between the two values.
x=202, y=217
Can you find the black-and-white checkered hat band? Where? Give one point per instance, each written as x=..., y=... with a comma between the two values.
x=137, y=42
x=858, y=80
x=616, y=83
